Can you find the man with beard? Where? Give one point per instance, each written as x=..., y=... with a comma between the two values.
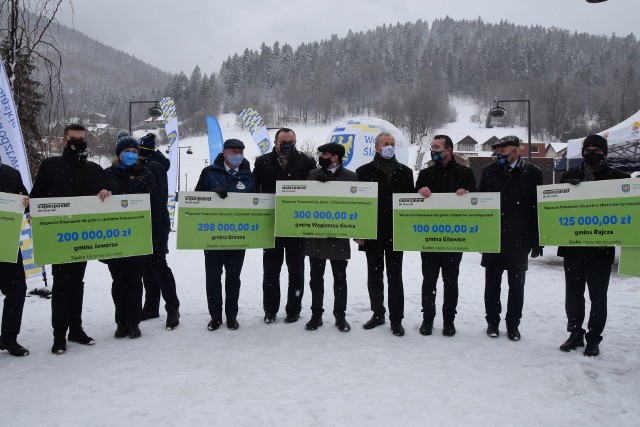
x=588, y=265
x=69, y=175
x=445, y=176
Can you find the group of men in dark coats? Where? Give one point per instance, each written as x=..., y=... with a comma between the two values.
x=134, y=171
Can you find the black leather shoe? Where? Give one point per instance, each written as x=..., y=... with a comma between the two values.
x=492, y=330
x=291, y=318
x=342, y=324
x=214, y=324
x=121, y=331
x=449, y=329
x=59, y=346
x=376, y=320
x=80, y=336
x=173, y=319
x=591, y=350
x=134, y=331
x=232, y=323
x=575, y=340
x=269, y=317
x=13, y=348
x=513, y=334
x=397, y=329
x=426, y=328
x=314, y=323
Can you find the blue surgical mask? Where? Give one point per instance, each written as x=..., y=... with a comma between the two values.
x=129, y=158
x=436, y=156
x=503, y=159
x=388, y=151
x=235, y=159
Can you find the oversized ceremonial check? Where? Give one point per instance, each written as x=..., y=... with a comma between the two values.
x=629, y=261
x=596, y=213
x=72, y=229
x=314, y=209
x=445, y=222
x=240, y=221
x=11, y=211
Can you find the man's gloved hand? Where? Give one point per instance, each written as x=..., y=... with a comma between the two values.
x=221, y=192
x=536, y=251
x=322, y=177
x=573, y=181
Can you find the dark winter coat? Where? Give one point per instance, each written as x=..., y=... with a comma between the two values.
x=158, y=165
x=518, y=208
x=329, y=248
x=11, y=181
x=137, y=179
x=216, y=176
x=61, y=177
x=400, y=180
x=600, y=253
x=446, y=179
x=267, y=170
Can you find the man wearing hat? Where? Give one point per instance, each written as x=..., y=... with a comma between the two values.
x=588, y=265
x=229, y=172
x=157, y=275
x=337, y=251
x=516, y=181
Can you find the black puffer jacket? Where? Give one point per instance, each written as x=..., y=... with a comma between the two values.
x=61, y=177
x=267, y=170
x=158, y=165
x=600, y=253
x=399, y=180
x=446, y=179
x=137, y=179
x=519, y=216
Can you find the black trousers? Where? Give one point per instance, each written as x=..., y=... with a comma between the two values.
x=14, y=287
x=272, y=260
x=126, y=288
x=375, y=282
x=339, y=269
x=158, y=280
x=214, y=262
x=595, y=274
x=432, y=263
x=515, y=301
x=67, y=294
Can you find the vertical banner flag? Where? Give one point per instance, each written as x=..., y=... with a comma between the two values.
x=171, y=126
x=258, y=129
x=13, y=153
x=215, y=138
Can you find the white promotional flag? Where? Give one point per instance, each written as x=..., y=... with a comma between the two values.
x=12, y=150
x=171, y=126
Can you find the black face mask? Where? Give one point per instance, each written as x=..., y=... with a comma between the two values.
x=592, y=158
x=286, y=148
x=324, y=163
x=78, y=149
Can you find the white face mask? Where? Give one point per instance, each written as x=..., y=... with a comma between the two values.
x=388, y=151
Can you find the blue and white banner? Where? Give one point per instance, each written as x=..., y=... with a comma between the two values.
x=215, y=138
x=258, y=129
x=12, y=151
x=171, y=126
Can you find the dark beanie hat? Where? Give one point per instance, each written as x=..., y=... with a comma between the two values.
x=148, y=142
x=126, y=142
x=595, y=141
x=233, y=143
x=334, y=149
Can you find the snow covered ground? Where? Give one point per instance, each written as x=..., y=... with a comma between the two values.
x=281, y=374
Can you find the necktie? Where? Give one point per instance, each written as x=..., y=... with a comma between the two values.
x=232, y=171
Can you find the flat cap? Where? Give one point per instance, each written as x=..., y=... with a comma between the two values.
x=507, y=141
x=233, y=143
x=334, y=149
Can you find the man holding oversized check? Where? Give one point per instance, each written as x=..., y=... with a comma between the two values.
x=589, y=259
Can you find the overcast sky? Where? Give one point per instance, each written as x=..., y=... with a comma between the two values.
x=177, y=35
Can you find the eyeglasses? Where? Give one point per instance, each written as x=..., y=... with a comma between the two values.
x=288, y=142
x=76, y=140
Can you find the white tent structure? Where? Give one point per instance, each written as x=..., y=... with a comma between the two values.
x=623, y=140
